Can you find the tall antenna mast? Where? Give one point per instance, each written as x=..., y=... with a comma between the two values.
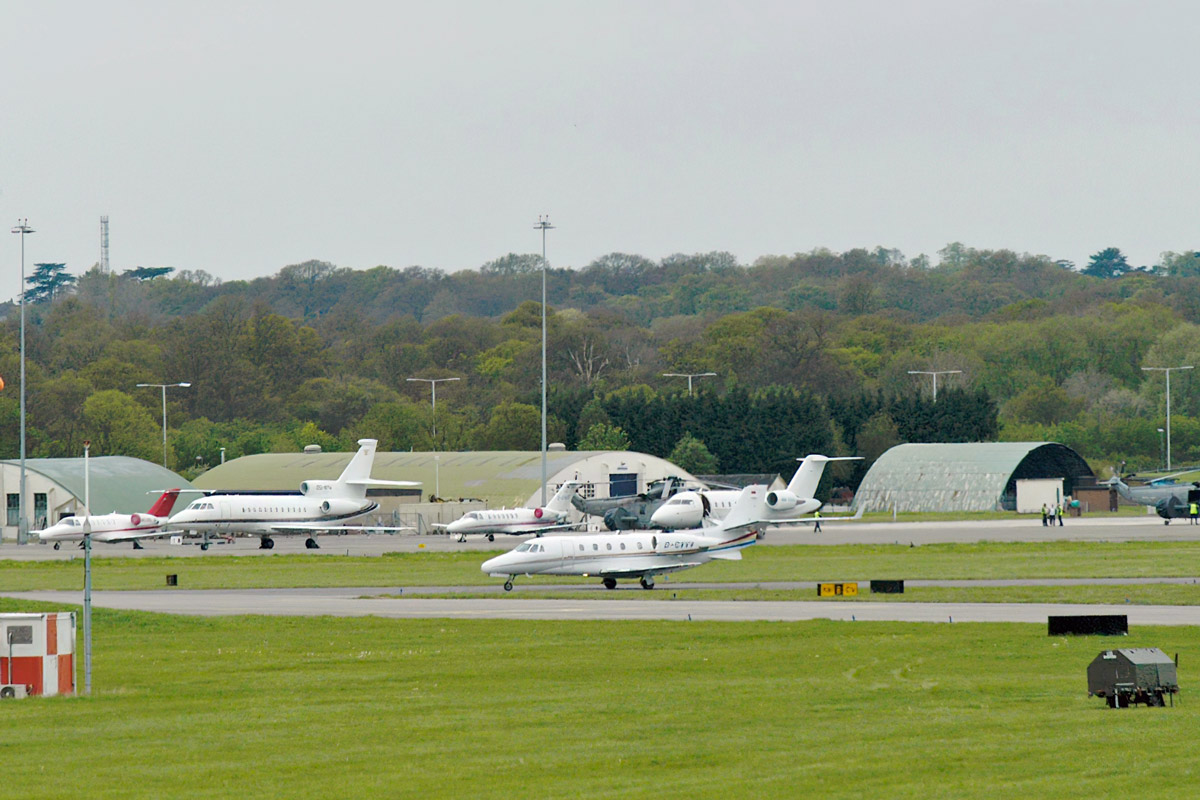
x=104, y=244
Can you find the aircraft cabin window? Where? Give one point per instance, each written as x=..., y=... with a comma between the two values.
x=622, y=545
x=608, y=545
x=580, y=547
x=639, y=545
x=595, y=546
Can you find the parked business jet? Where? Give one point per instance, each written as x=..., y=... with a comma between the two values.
x=113, y=528
x=320, y=507
x=489, y=522
x=689, y=509
x=610, y=556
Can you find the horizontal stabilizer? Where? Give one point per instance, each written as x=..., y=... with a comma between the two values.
x=374, y=482
x=727, y=555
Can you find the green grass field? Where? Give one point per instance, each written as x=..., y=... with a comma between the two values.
x=784, y=563
x=320, y=708
x=323, y=707
x=340, y=708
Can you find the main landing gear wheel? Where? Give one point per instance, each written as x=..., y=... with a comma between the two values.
x=311, y=544
x=508, y=585
x=204, y=545
x=610, y=583
x=266, y=543
x=647, y=582
x=57, y=545
x=491, y=537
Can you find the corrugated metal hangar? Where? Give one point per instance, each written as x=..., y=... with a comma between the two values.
x=54, y=488
x=498, y=478
x=963, y=477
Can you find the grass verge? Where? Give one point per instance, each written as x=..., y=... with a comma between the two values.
x=317, y=708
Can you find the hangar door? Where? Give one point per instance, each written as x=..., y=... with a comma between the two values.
x=622, y=484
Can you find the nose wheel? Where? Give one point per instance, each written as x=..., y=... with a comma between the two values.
x=508, y=585
x=57, y=545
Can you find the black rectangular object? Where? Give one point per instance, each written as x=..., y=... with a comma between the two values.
x=1089, y=625
x=887, y=587
x=172, y=580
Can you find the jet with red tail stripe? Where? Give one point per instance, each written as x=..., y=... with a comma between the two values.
x=113, y=528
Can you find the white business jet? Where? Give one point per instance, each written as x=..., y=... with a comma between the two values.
x=690, y=509
x=113, y=528
x=555, y=516
x=640, y=555
x=320, y=507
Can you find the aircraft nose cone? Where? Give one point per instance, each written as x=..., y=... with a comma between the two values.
x=492, y=565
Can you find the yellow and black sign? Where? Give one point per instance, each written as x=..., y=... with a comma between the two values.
x=837, y=589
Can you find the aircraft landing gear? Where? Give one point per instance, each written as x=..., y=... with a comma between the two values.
x=1166, y=522
x=204, y=545
x=647, y=582
x=462, y=537
x=508, y=585
x=57, y=545
x=491, y=537
x=311, y=544
x=610, y=583
x=137, y=545
x=266, y=543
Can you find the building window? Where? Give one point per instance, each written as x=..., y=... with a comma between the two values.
x=14, y=506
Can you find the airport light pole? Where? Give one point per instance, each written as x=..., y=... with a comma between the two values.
x=433, y=382
x=689, y=376
x=1167, y=371
x=164, y=387
x=543, y=224
x=22, y=524
x=1162, y=451
x=935, y=374
x=87, y=573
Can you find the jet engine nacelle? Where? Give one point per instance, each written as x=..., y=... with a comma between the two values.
x=339, y=508
x=782, y=500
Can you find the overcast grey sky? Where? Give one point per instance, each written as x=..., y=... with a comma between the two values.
x=240, y=137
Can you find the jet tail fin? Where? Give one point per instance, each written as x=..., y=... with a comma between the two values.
x=561, y=502
x=357, y=475
x=162, y=507
x=808, y=474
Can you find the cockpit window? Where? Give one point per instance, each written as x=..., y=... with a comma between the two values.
x=524, y=547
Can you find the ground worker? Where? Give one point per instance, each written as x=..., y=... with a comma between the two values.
x=817, y=522
x=1045, y=515
x=1193, y=510
x=1058, y=512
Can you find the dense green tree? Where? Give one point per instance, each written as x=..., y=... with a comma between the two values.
x=692, y=455
x=47, y=282
x=118, y=425
x=604, y=436
x=1108, y=263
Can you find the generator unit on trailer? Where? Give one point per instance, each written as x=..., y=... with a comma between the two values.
x=1134, y=675
x=37, y=654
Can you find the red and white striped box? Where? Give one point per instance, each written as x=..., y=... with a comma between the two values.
x=37, y=651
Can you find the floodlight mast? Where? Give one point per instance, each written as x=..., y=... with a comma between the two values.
x=935, y=374
x=689, y=376
x=22, y=228
x=543, y=224
x=164, y=387
x=1167, y=371
x=433, y=382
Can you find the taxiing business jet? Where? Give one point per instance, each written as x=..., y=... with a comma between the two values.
x=320, y=507
x=610, y=556
x=690, y=509
x=113, y=528
x=555, y=516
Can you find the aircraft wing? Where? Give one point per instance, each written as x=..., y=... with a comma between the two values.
x=129, y=536
x=636, y=573
x=298, y=528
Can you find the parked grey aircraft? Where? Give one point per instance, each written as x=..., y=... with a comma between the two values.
x=1170, y=500
x=633, y=512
